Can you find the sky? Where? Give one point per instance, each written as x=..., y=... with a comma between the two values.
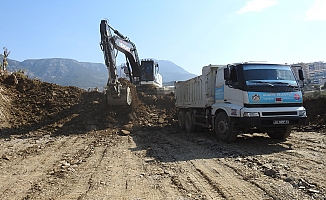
x=190, y=33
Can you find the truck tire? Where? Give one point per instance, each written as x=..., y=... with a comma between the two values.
x=181, y=120
x=223, y=128
x=189, y=125
x=280, y=134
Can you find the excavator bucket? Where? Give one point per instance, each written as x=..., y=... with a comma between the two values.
x=124, y=99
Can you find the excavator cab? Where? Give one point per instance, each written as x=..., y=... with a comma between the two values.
x=149, y=74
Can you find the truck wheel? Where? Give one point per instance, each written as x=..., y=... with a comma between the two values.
x=280, y=134
x=181, y=120
x=189, y=125
x=223, y=128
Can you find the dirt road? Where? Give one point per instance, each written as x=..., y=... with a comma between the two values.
x=78, y=148
x=161, y=165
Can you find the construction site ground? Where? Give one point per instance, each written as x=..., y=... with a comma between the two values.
x=66, y=143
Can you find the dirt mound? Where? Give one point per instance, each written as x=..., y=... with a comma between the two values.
x=47, y=107
x=316, y=111
x=34, y=101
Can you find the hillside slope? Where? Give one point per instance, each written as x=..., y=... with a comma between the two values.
x=69, y=72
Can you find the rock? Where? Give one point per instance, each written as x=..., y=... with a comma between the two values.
x=269, y=172
x=128, y=127
x=289, y=179
x=313, y=191
x=238, y=159
x=149, y=160
x=125, y=132
x=161, y=120
x=5, y=157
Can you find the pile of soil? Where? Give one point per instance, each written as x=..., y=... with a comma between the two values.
x=36, y=105
x=316, y=111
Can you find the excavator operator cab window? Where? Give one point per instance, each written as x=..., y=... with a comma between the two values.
x=147, y=71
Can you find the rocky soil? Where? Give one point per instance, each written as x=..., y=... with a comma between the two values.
x=66, y=143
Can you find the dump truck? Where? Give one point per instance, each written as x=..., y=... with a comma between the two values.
x=240, y=98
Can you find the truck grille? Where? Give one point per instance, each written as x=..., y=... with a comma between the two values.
x=273, y=105
x=272, y=89
x=279, y=113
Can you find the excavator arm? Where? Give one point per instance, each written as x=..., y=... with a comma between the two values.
x=122, y=44
x=115, y=92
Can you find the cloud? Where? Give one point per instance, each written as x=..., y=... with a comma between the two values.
x=256, y=6
x=317, y=11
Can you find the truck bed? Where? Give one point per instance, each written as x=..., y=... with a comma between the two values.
x=199, y=91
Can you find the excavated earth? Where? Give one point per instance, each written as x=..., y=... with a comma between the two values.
x=66, y=143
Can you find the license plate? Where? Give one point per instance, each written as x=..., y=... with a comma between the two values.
x=281, y=121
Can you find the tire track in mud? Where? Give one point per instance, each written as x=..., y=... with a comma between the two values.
x=26, y=169
x=121, y=175
x=290, y=169
x=68, y=179
x=90, y=181
x=274, y=188
x=249, y=158
x=109, y=170
x=298, y=165
x=292, y=162
x=182, y=173
x=226, y=182
x=215, y=180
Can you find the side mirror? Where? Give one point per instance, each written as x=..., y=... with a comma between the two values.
x=157, y=67
x=227, y=74
x=301, y=74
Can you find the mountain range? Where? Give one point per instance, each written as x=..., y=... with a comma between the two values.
x=69, y=72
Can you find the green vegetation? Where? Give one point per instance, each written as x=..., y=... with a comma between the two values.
x=20, y=73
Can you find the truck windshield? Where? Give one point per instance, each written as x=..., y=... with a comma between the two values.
x=268, y=74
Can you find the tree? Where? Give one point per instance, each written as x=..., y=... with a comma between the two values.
x=5, y=56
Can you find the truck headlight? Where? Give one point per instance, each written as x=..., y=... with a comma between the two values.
x=302, y=113
x=251, y=114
